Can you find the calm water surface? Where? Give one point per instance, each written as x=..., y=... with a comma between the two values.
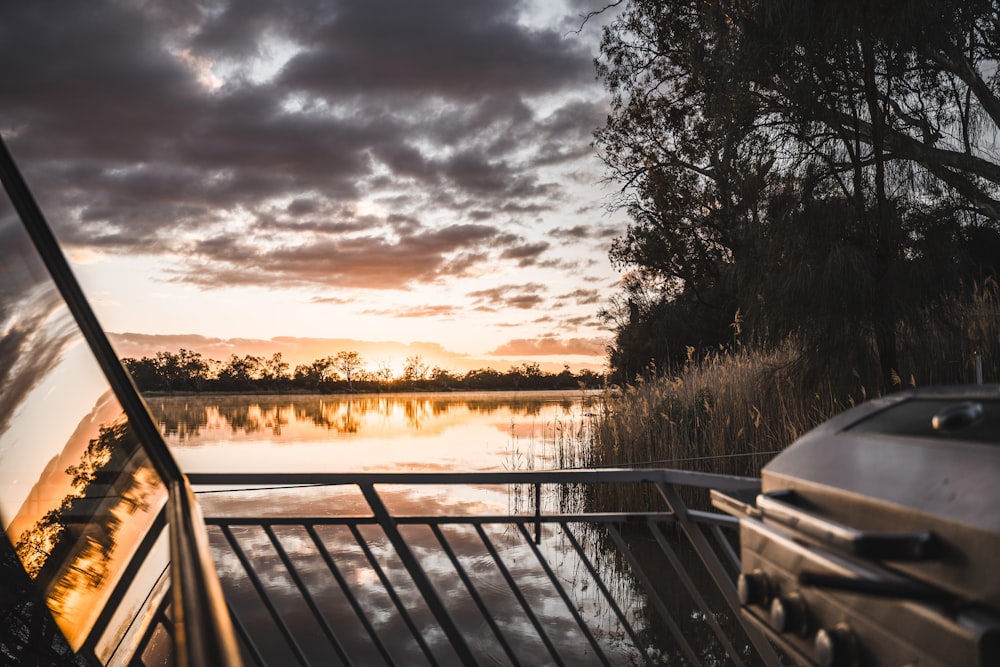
x=392, y=433
x=404, y=433
x=460, y=431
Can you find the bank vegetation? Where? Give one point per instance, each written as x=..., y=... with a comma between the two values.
x=814, y=201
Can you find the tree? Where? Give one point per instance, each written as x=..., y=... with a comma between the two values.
x=384, y=373
x=144, y=372
x=240, y=373
x=442, y=378
x=737, y=124
x=274, y=369
x=348, y=363
x=414, y=370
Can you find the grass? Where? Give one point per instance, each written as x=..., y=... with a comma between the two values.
x=730, y=411
x=727, y=412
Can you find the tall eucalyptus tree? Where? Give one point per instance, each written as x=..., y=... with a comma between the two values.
x=786, y=158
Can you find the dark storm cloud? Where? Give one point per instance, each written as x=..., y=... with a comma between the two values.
x=456, y=50
x=132, y=145
x=369, y=262
x=509, y=296
x=525, y=254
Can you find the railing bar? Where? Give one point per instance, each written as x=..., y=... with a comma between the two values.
x=565, y=598
x=726, y=547
x=585, y=476
x=349, y=594
x=640, y=646
x=601, y=517
x=696, y=595
x=713, y=518
x=718, y=573
x=519, y=595
x=248, y=643
x=418, y=575
x=307, y=596
x=474, y=593
x=391, y=592
x=262, y=592
x=651, y=591
x=289, y=521
x=538, y=513
x=701, y=545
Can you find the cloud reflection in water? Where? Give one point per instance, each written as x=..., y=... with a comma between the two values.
x=365, y=582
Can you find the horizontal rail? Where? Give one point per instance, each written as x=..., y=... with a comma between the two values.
x=439, y=519
x=589, y=476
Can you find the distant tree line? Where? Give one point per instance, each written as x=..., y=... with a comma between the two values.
x=796, y=170
x=344, y=372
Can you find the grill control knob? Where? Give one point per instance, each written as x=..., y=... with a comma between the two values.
x=753, y=588
x=836, y=647
x=789, y=614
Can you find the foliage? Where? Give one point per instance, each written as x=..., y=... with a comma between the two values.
x=731, y=410
x=37, y=544
x=820, y=169
x=344, y=371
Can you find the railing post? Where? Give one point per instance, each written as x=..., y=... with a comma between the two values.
x=716, y=570
x=420, y=579
x=538, y=513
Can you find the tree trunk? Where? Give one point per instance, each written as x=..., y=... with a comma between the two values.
x=883, y=306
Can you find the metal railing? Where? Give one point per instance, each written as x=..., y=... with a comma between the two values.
x=550, y=580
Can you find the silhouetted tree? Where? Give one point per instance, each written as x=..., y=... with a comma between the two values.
x=414, y=371
x=737, y=126
x=348, y=363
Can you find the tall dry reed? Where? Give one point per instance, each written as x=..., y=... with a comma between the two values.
x=727, y=412
x=730, y=411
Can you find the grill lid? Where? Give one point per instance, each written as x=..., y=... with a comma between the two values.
x=920, y=462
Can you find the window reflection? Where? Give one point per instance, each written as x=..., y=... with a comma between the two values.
x=77, y=493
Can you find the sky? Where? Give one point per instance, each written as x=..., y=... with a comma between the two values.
x=305, y=177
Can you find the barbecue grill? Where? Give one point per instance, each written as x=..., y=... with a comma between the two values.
x=875, y=539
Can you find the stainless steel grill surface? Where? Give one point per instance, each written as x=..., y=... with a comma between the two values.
x=876, y=537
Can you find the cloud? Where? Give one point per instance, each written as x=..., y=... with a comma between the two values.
x=509, y=296
x=525, y=254
x=372, y=262
x=576, y=232
x=326, y=146
x=583, y=296
x=532, y=347
x=438, y=48
x=446, y=311
x=142, y=126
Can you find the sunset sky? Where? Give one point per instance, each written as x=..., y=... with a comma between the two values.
x=311, y=176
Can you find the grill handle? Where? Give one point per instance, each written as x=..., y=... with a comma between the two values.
x=781, y=507
x=896, y=588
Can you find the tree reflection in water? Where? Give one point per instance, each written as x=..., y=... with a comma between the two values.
x=72, y=551
x=183, y=418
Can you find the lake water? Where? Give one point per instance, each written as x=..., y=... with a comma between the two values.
x=460, y=431
x=453, y=432
x=448, y=432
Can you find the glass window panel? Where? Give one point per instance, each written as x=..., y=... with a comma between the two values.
x=77, y=493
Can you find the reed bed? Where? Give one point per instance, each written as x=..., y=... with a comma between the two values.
x=727, y=412
x=731, y=410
